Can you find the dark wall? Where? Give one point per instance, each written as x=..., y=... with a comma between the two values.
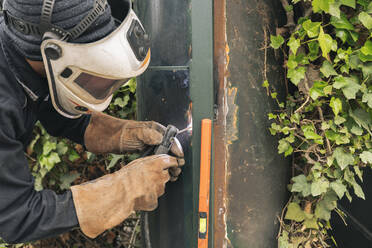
x=257, y=175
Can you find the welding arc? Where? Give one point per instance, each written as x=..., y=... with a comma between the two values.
x=189, y=128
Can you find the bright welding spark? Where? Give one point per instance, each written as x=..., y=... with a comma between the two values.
x=187, y=129
x=189, y=120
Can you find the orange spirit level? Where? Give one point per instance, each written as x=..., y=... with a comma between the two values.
x=204, y=186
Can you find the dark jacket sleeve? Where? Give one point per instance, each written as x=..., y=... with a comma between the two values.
x=60, y=126
x=26, y=214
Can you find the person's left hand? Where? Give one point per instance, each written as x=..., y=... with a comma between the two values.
x=106, y=134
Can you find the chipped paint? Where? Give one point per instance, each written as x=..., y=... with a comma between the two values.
x=232, y=115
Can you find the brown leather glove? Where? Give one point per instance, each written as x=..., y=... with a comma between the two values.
x=105, y=202
x=106, y=134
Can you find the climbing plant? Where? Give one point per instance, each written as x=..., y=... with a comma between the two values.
x=325, y=124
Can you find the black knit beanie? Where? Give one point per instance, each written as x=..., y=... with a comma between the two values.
x=66, y=15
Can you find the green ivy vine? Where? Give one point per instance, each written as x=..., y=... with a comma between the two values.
x=325, y=125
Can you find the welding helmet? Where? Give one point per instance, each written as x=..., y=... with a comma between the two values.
x=83, y=77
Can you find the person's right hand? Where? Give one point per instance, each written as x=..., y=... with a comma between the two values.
x=105, y=202
x=151, y=174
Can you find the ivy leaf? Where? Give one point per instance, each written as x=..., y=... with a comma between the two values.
x=342, y=34
x=285, y=147
x=292, y=62
x=276, y=41
x=369, y=8
x=318, y=89
x=356, y=130
x=325, y=206
x=294, y=212
x=342, y=23
x=358, y=190
x=365, y=19
x=132, y=85
x=367, y=97
x=339, y=188
x=339, y=120
x=367, y=70
x=354, y=61
x=339, y=82
x=319, y=187
x=342, y=139
x=321, y=212
x=349, y=176
x=348, y=36
x=349, y=86
x=284, y=241
x=311, y=223
x=331, y=135
x=294, y=44
x=328, y=90
x=313, y=50
x=343, y=159
x=49, y=161
x=366, y=157
x=325, y=42
x=336, y=105
x=295, y=118
x=271, y=116
x=319, y=5
x=362, y=118
x=354, y=36
x=62, y=148
x=48, y=147
x=350, y=3
x=358, y=172
x=327, y=69
x=122, y=102
x=334, y=9
x=348, y=196
x=311, y=28
x=114, y=160
x=67, y=179
x=73, y=156
x=296, y=75
x=364, y=3
x=364, y=58
x=275, y=128
x=301, y=185
x=367, y=48
x=309, y=132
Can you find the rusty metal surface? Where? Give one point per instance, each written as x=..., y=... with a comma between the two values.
x=250, y=177
x=219, y=173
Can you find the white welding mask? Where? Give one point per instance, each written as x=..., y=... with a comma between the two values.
x=83, y=77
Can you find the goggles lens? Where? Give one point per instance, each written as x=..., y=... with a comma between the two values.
x=98, y=87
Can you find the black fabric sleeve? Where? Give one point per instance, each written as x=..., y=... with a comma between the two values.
x=25, y=214
x=60, y=126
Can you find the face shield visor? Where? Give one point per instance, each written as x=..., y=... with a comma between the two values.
x=83, y=77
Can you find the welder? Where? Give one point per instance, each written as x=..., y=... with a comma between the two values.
x=60, y=63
